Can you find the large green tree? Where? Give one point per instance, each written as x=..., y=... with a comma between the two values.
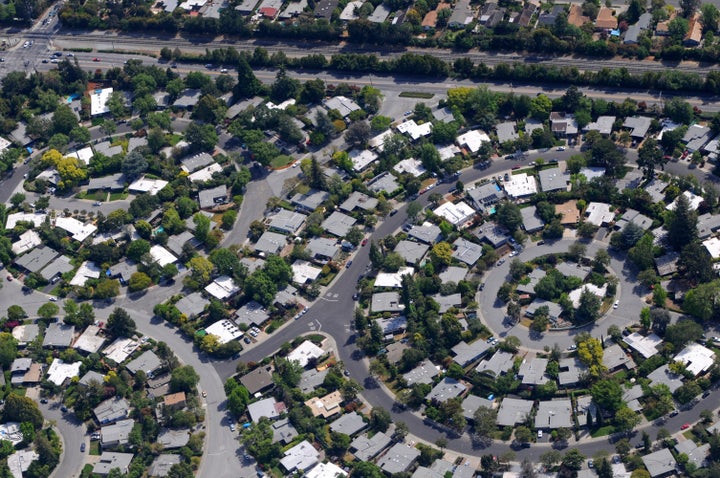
x=681, y=224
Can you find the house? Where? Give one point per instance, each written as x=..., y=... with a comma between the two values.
x=423, y=373
x=465, y=354
x=554, y=414
x=198, y=161
x=645, y=346
x=692, y=198
x=655, y=188
x=570, y=370
x=693, y=37
x=300, y=458
x=392, y=280
x=270, y=243
x=638, y=126
x=466, y=251
x=713, y=247
x=599, y=213
x=696, y=137
x=457, y=214
x=211, y=198
x=513, y=411
x=386, y=302
x=121, y=349
x=36, y=218
x=446, y=389
x=111, y=410
x=614, y=357
x=490, y=15
x=484, y=196
x=267, y=407
x=349, y=424
x=283, y=431
x=359, y=200
x=114, y=182
x=174, y=401
x=632, y=397
x=564, y=124
x=326, y=406
x=109, y=461
x=343, y=105
x=471, y=403
x=192, y=305
x=162, y=256
x=640, y=220
x=325, y=8
x=521, y=185
x=554, y=310
x=310, y=201
x=27, y=240
x=36, y=259
x=91, y=376
x=380, y=14
x=252, y=313
x=660, y=463
x=90, y=341
x=383, y=182
x=398, y=459
x=188, y=99
x=287, y=222
x=58, y=335
x=87, y=270
x=531, y=221
x=473, y=139
x=98, y=101
x=575, y=16
x=338, y=224
x=148, y=362
x=365, y=447
x=222, y=288
x=305, y=352
x=430, y=21
x=116, y=434
x=311, y=379
x=392, y=325
x=606, y=19
x=162, y=464
x=548, y=19
x=707, y=224
x=462, y=15
x=259, y=380
x=505, y=131
x=453, y=274
x=148, y=186
x=18, y=369
x=665, y=376
x=494, y=234
x=427, y=233
x=697, y=455
x=632, y=34
x=603, y=124
x=553, y=180
x=498, y=364
x=532, y=371
x=573, y=270
x=20, y=461
x=411, y=166
x=24, y=334
x=697, y=358
x=57, y=267
x=323, y=249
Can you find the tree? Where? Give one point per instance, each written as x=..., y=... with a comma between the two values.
x=682, y=227
x=650, y=156
x=517, y=268
x=247, y=85
x=508, y=214
x=367, y=469
x=523, y=434
x=120, y=324
x=577, y=251
x=695, y=264
x=589, y=308
x=413, y=208
x=550, y=458
x=8, y=349
x=48, y=310
x=180, y=470
x=683, y=332
x=226, y=261
x=15, y=313
x=200, y=272
x=677, y=109
x=376, y=256
x=137, y=249
x=642, y=255
x=608, y=395
x=441, y=254
x=605, y=153
x=590, y=352
x=659, y=296
x=184, y=379
x=238, y=397
x=626, y=420
x=358, y=133
x=540, y=107
x=133, y=165
x=380, y=419
x=63, y=120
x=349, y=390
x=201, y=136
x=260, y=287
x=602, y=260
x=573, y=459
x=484, y=424
x=709, y=17
x=284, y=86
x=22, y=409
x=17, y=199
x=139, y=281
x=107, y=289
x=354, y=236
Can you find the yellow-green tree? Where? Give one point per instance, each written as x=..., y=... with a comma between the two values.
x=441, y=253
x=590, y=352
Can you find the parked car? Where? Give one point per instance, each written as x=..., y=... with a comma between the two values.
x=541, y=243
x=393, y=212
x=82, y=448
x=517, y=166
x=560, y=148
x=539, y=434
x=572, y=347
x=232, y=427
x=53, y=299
x=616, y=304
x=685, y=426
x=349, y=263
x=364, y=242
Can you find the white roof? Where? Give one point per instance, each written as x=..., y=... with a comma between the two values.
x=386, y=279
x=362, y=159
x=713, y=247
x=599, y=213
x=456, y=214
x=90, y=341
x=448, y=152
x=521, y=185
x=696, y=358
x=472, y=140
x=150, y=186
x=574, y=295
x=348, y=12
x=304, y=272
x=693, y=199
x=87, y=270
x=4, y=144
x=121, y=349
x=411, y=166
x=282, y=106
x=224, y=330
x=34, y=217
x=98, y=101
x=162, y=256
x=190, y=4
x=304, y=352
x=378, y=142
x=77, y=229
x=26, y=241
x=20, y=461
x=10, y=431
x=60, y=371
x=84, y=155
x=414, y=130
x=646, y=346
x=222, y=288
x=326, y=470
x=205, y=174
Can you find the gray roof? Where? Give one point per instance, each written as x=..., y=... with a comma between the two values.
x=252, y=264
x=323, y=247
x=198, y=161
x=602, y=125
x=395, y=351
x=631, y=397
x=447, y=301
x=446, y=389
x=111, y=410
x=251, y=313
x=659, y=463
x=344, y=105
x=534, y=277
x=107, y=149
x=258, y=380
x=443, y=114
x=472, y=403
x=311, y=200
x=655, y=188
x=696, y=454
x=633, y=32
x=209, y=198
x=631, y=180
x=532, y=371
x=288, y=222
x=664, y=375
x=325, y=8
x=311, y=379
x=359, y=200
x=366, y=448
x=117, y=433
x=92, y=376
x=531, y=221
x=696, y=137
x=398, y=459
x=641, y=220
x=423, y=373
x=188, y=99
x=667, y=263
x=384, y=182
x=506, y=132
x=29, y=333
x=58, y=335
x=386, y=302
x=135, y=142
x=270, y=242
x=109, y=460
x=485, y=195
x=19, y=134
x=283, y=431
x=192, y=304
x=148, y=362
x=453, y=274
x=554, y=414
x=338, y=224
x=241, y=106
x=36, y=259
x=392, y=325
x=498, y=364
x=170, y=439
x=20, y=365
x=553, y=179
x=176, y=243
x=112, y=182
x=466, y=251
x=190, y=222
x=639, y=126
x=58, y=266
x=349, y=424
x=427, y=233
x=573, y=270
x=513, y=411
x=708, y=224
x=614, y=357
x=554, y=309
x=247, y=6
x=162, y=464
x=570, y=370
x=495, y=234
x=123, y=270
x=380, y=14
x=263, y=408
x=465, y=353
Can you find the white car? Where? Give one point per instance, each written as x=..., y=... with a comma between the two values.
x=560, y=148
x=224, y=70
x=616, y=304
x=53, y=299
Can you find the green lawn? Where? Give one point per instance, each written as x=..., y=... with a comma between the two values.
x=416, y=94
x=603, y=431
x=95, y=447
x=118, y=196
x=281, y=161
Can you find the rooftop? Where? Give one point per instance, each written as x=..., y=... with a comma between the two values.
x=365, y=448
x=267, y=407
x=521, y=185
x=554, y=414
x=398, y=459
x=645, y=346
x=660, y=462
x=349, y=424
x=304, y=352
x=532, y=371
x=513, y=411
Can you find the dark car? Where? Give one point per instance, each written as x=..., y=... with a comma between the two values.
x=706, y=394
x=393, y=212
x=43, y=400
x=82, y=447
x=63, y=409
x=356, y=296
x=541, y=243
x=347, y=266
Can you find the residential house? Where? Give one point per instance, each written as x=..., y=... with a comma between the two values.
x=411, y=251
x=326, y=406
x=349, y=424
x=300, y=458
x=398, y=459
x=365, y=447
x=117, y=434
x=554, y=414
x=287, y=222
x=109, y=461
x=513, y=411
x=466, y=251
x=323, y=249
x=111, y=410
x=465, y=354
x=174, y=401
x=532, y=372
x=267, y=407
x=386, y=302
x=606, y=19
x=693, y=37
x=259, y=380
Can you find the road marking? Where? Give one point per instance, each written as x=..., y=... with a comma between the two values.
x=319, y=325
